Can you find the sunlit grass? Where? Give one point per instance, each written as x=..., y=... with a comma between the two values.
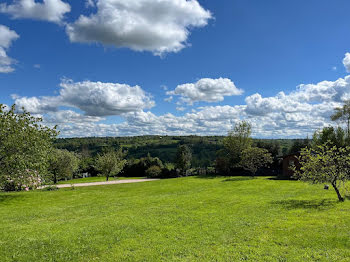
x=186, y=219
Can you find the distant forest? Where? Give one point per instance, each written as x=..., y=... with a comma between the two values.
x=204, y=148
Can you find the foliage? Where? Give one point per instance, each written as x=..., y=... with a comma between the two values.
x=110, y=163
x=325, y=164
x=27, y=181
x=49, y=188
x=253, y=158
x=298, y=144
x=343, y=114
x=87, y=165
x=184, y=219
x=273, y=147
x=138, y=167
x=24, y=149
x=63, y=164
x=183, y=158
x=204, y=148
x=236, y=141
x=154, y=172
x=330, y=135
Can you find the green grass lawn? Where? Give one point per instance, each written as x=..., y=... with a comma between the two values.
x=95, y=179
x=186, y=219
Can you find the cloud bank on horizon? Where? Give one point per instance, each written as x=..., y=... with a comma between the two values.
x=296, y=114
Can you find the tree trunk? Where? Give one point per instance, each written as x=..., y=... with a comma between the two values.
x=107, y=177
x=341, y=199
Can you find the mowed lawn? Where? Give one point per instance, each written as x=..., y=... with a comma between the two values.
x=185, y=219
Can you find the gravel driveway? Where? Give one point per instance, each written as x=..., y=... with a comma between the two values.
x=125, y=181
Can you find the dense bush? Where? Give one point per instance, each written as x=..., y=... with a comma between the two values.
x=154, y=172
x=138, y=167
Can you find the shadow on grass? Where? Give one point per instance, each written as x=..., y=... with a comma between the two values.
x=208, y=176
x=235, y=179
x=227, y=178
x=281, y=178
x=306, y=204
x=5, y=197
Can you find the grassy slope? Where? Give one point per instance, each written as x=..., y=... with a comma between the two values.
x=187, y=219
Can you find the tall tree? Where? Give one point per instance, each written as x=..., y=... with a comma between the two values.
x=110, y=163
x=237, y=140
x=183, y=158
x=25, y=145
x=343, y=114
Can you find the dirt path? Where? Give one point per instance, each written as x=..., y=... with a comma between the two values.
x=126, y=181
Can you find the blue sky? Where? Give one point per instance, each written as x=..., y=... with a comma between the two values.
x=199, y=66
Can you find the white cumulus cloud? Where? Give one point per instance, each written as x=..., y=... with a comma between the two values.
x=47, y=10
x=158, y=26
x=93, y=98
x=206, y=89
x=7, y=36
x=346, y=62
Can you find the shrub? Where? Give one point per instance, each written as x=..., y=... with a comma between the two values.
x=50, y=188
x=27, y=181
x=154, y=172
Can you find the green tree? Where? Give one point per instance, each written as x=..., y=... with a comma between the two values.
x=183, y=158
x=110, y=163
x=330, y=135
x=253, y=158
x=24, y=148
x=343, y=114
x=238, y=139
x=63, y=164
x=325, y=164
x=298, y=144
x=153, y=172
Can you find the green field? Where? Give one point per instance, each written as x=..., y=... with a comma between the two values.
x=185, y=219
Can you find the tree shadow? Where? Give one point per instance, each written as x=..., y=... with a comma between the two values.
x=208, y=176
x=235, y=179
x=5, y=197
x=281, y=178
x=306, y=204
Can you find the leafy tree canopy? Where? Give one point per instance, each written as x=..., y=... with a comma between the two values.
x=110, y=163
x=237, y=140
x=343, y=114
x=63, y=164
x=325, y=164
x=254, y=158
x=331, y=136
x=25, y=145
x=183, y=158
